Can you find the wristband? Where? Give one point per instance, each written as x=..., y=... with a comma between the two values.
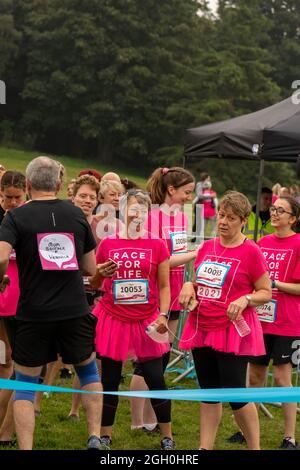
x=163, y=314
x=273, y=284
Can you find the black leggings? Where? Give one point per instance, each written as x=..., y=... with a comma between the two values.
x=217, y=369
x=154, y=378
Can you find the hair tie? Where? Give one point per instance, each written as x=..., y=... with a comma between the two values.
x=164, y=171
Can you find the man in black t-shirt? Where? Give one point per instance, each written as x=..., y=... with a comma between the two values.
x=53, y=244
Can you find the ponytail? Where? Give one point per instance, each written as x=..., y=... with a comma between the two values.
x=162, y=178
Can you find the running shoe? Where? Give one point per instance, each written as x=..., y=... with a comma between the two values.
x=94, y=443
x=237, y=437
x=167, y=444
x=288, y=444
x=105, y=442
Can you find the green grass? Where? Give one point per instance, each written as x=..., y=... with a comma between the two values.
x=14, y=159
x=54, y=431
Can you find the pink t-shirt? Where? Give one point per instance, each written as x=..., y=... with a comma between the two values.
x=283, y=259
x=9, y=298
x=173, y=230
x=223, y=275
x=132, y=294
x=209, y=211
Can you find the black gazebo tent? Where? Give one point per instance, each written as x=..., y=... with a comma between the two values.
x=271, y=134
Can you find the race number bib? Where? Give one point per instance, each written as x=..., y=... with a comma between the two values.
x=267, y=312
x=208, y=292
x=179, y=242
x=134, y=291
x=57, y=251
x=212, y=274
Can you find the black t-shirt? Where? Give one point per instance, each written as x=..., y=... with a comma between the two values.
x=46, y=294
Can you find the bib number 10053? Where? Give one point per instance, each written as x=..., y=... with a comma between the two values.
x=131, y=292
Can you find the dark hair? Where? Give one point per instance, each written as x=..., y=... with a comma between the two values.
x=161, y=178
x=92, y=172
x=295, y=208
x=267, y=190
x=203, y=176
x=129, y=184
x=13, y=179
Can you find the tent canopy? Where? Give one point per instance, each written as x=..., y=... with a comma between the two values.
x=271, y=134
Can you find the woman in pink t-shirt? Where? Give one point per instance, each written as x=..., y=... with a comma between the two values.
x=224, y=329
x=170, y=189
x=136, y=296
x=280, y=318
x=13, y=186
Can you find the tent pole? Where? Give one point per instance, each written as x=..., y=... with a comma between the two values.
x=259, y=186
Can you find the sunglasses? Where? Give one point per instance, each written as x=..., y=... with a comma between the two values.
x=279, y=210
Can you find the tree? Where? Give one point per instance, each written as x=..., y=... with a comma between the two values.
x=108, y=73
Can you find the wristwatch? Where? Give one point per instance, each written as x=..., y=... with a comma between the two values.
x=273, y=284
x=248, y=298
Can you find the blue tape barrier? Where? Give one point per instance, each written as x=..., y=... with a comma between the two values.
x=257, y=395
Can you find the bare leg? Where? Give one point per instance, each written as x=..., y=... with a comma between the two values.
x=6, y=369
x=51, y=374
x=92, y=404
x=76, y=398
x=283, y=378
x=137, y=404
x=24, y=413
x=210, y=417
x=257, y=377
x=7, y=428
x=5, y=396
x=247, y=420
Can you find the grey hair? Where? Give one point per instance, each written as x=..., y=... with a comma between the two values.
x=44, y=174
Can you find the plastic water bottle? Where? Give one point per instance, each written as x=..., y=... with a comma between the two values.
x=158, y=337
x=242, y=327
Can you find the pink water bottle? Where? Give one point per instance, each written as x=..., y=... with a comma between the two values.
x=242, y=327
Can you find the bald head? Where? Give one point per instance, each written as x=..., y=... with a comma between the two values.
x=110, y=176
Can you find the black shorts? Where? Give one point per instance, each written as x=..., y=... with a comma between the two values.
x=174, y=314
x=278, y=348
x=38, y=343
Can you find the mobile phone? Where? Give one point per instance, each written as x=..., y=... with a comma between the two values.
x=113, y=261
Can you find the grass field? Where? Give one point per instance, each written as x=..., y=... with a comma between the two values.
x=55, y=431
x=14, y=159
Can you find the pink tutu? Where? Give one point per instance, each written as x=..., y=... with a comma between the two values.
x=225, y=340
x=120, y=340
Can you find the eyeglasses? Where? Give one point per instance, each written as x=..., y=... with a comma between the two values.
x=279, y=210
x=84, y=197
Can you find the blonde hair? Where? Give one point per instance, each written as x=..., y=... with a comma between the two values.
x=237, y=202
x=276, y=188
x=108, y=185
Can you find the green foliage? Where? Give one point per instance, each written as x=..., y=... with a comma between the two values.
x=120, y=83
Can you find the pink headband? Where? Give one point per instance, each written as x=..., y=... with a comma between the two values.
x=164, y=171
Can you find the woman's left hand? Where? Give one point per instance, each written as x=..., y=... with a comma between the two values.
x=161, y=323
x=236, y=308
